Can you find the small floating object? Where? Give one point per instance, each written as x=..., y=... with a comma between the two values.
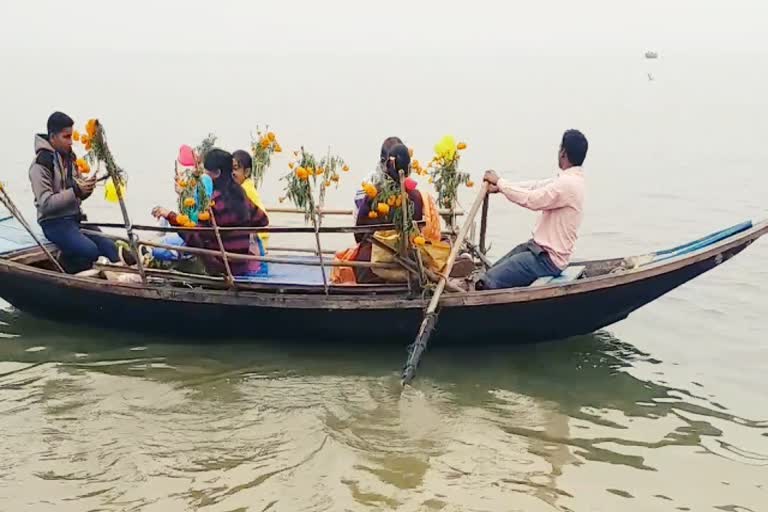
x=651, y=55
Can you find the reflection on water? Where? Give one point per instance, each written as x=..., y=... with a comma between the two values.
x=96, y=420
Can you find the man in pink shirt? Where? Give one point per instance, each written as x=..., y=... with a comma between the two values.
x=560, y=201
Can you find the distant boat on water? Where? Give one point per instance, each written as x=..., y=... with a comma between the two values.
x=651, y=55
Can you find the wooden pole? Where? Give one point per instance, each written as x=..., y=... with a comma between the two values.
x=250, y=257
x=16, y=213
x=331, y=211
x=128, y=227
x=405, y=226
x=430, y=317
x=484, y=224
x=316, y=225
x=370, y=228
x=227, y=268
x=112, y=171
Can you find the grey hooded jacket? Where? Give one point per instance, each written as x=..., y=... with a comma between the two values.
x=55, y=190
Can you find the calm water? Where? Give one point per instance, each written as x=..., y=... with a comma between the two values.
x=664, y=411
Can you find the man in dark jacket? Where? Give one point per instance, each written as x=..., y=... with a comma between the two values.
x=58, y=194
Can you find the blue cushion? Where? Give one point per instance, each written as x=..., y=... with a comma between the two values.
x=571, y=273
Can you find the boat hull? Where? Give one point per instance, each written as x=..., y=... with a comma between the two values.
x=511, y=316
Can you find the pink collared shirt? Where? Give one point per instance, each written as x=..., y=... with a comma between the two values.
x=561, y=203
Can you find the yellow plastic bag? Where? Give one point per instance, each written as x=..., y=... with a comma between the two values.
x=433, y=254
x=379, y=255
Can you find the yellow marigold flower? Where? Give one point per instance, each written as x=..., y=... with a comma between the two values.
x=82, y=166
x=271, y=136
x=182, y=219
x=302, y=173
x=204, y=216
x=327, y=183
x=278, y=148
x=190, y=224
x=382, y=208
x=335, y=178
x=419, y=240
x=461, y=146
x=446, y=148
x=470, y=183
x=264, y=143
x=84, y=139
x=391, y=201
x=371, y=191
x=76, y=136
x=320, y=171
x=345, y=168
x=190, y=201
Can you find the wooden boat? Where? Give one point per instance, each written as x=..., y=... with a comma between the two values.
x=589, y=296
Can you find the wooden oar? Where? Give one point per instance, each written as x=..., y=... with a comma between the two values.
x=16, y=213
x=430, y=317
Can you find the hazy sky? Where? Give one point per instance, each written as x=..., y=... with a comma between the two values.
x=559, y=27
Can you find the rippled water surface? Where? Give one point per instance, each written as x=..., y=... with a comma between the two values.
x=664, y=411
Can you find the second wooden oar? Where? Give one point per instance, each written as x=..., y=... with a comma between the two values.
x=430, y=317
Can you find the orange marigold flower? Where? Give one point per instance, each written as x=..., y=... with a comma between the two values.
x=419, y=240
x=182, y=219
x=391, y=201
x=345, y=168
x=271, y=136
x=470, y=183
x=190, y=201
x=82, y=166
x=461, y=146
x=370, y=190
x=335, y=178
x=383, y=208
x=399, y=202
x=204, y=216
x=278, y=148
x=76, y=136
x=90, y=127
x=302, y=173
x=373, y=215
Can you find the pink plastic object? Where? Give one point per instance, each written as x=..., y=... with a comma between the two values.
x=186, y=156
x=410, y=184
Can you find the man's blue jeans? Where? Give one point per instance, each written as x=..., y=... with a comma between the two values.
x=520, y=267
x=78, y=251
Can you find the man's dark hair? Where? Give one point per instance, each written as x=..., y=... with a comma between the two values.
x=58, y=122
x=575, y=145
